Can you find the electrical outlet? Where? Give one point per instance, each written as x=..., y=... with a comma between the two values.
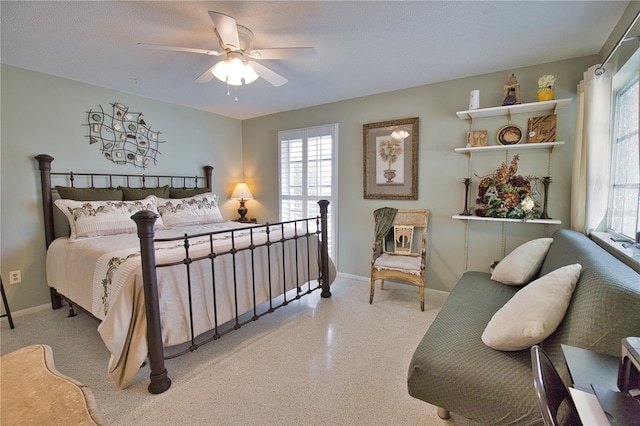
x=15, y=277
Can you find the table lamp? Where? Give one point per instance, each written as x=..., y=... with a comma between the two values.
x=242, y=194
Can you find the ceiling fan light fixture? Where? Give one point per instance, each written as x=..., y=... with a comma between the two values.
x=249, y=74
x=221, y=70
x=234, y=71
x=399, y=133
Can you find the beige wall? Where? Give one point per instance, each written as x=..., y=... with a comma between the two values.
x=43, y=114
x=441, y=170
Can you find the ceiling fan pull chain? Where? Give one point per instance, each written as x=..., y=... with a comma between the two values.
x=236, y=89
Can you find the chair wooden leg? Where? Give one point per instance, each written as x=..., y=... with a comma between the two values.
x=373, y=284
x=381, y=284
x=422, y=298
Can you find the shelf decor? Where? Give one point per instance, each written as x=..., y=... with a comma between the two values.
x=511, y=91
x=504, y=194
x=124, y=137
x=542, y=129
x=545, y=87
x=391, y=159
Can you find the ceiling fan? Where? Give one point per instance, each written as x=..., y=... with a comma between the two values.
x=239, y=65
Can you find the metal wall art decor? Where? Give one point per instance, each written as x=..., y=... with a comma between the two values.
x=123, y=136
x=391, y=160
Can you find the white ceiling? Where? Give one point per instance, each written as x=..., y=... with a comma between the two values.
x=364, y=47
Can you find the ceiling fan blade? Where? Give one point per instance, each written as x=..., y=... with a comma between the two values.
x=271, y=76
x=206, y=76
x=227, y=30
x=180, y=49
x=285, y=53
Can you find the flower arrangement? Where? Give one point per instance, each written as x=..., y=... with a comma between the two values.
x=504, y=194
x=546, y=82
x=389, y=150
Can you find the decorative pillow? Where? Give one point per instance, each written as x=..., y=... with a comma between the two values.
x=523, y=263
x=89, y=194
x=99, y=218
x=194, y=210
x=185, y=193
x=534, y=312
x=132, y=194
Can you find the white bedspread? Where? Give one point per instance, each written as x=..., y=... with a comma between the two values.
x=103, y=276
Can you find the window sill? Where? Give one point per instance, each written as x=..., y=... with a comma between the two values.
x=626, y=252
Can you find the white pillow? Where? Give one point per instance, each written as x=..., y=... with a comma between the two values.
x=523, y=263
x=534, y=312
x=199, y=209
x=99, y=218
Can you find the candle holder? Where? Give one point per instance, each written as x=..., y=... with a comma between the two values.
x=467, y=182
x=545, y=182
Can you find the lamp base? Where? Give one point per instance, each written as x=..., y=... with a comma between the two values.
x=242, y=211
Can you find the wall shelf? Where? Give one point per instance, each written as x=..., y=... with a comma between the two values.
x=514, y=109
x=548, y=107
x=509, y=147
x=497, y=219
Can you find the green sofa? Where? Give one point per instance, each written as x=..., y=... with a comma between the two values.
x=454, y=370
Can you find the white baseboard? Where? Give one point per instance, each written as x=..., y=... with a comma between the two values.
x=352, y=277
x=27, y=311
x=368, y=280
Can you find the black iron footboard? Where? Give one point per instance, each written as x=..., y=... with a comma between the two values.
x=308, y=231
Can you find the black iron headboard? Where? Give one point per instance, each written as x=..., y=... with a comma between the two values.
x=106, y=180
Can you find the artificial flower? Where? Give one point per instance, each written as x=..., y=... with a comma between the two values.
x=504, y=194
x=546, y=81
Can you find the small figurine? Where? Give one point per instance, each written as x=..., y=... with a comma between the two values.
x=511, y=91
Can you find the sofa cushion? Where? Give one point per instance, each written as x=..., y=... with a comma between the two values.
x=408, y=264
x=534, y=312
x=523, y=263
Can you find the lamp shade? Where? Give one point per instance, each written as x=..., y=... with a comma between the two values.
x=241, y=192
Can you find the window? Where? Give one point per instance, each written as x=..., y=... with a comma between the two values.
x=308, y=173
x=624, y=194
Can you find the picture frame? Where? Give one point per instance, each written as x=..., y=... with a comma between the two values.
x=542, y=129
x=509, y=135
x=391, y=162
x=477, y=138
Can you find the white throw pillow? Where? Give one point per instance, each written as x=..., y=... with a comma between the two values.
x=523, y=263
x=534, y=312
x=199, y=209
x=100, y=218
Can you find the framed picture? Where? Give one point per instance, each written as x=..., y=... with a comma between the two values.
x=509, y=135
x=477, y=138
x=391, y=159
x=542, y=129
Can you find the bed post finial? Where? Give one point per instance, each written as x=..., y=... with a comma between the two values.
x=145, y=220
x=324, y=248
x=208, y=171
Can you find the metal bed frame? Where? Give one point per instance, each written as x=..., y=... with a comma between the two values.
x=160, y=381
